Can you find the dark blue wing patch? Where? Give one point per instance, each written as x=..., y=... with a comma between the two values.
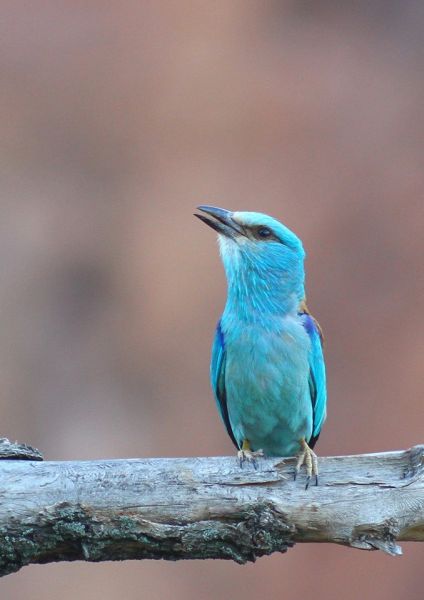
x=317, y=378
x=218, y=379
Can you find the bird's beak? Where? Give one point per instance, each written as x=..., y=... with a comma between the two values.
x=222, y=221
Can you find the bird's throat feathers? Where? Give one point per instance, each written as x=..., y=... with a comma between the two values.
x=263, y=279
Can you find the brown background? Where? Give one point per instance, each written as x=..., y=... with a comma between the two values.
x=117, y=119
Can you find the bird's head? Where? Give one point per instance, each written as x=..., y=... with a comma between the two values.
x=259, y=254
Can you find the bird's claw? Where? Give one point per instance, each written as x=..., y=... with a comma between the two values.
x=245, y=455
x=308, y=458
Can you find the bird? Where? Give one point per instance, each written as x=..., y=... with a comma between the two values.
x=267, y=367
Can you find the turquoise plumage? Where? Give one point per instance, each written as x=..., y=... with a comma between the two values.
x=267, y=367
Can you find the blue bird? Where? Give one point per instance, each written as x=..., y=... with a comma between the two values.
x=267, y=368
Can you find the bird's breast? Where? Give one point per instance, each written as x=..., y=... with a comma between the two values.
x=267, y=359
x=266, y=380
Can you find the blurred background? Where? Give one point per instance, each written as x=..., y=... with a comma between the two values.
x=117, y=119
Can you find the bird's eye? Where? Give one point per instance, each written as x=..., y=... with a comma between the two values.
x=264, y=232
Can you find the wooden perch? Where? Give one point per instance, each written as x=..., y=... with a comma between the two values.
x=175, y=508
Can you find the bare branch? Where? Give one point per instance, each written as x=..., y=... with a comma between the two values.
x=17, y=451
x=184, y=508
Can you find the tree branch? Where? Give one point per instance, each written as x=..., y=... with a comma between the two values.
x=184, y=508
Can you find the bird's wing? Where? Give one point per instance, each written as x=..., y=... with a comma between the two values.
x=317, y=380
x=218, y=379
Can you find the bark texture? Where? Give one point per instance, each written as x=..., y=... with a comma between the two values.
x=187, y=508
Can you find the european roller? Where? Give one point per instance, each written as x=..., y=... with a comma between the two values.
x=267, y=369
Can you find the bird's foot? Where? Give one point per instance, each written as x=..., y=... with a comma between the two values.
x=246, y=454
x=308, y=458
